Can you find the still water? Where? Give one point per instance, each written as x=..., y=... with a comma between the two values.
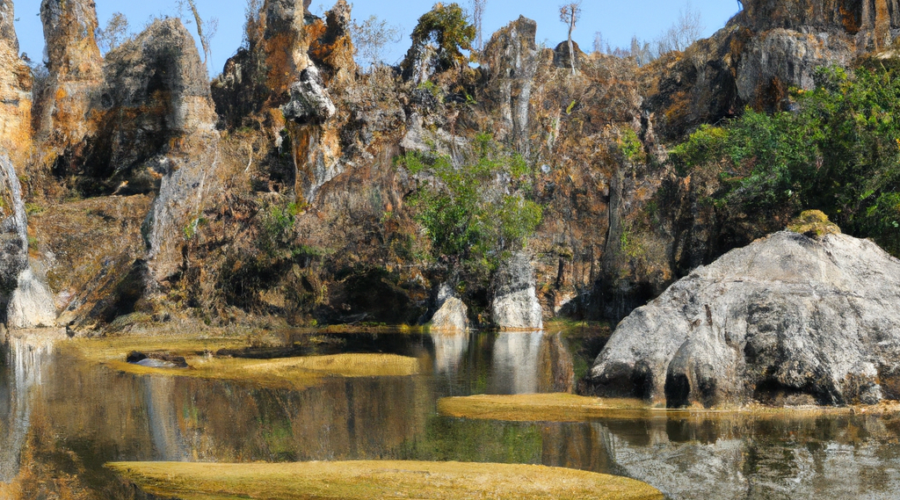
x=62, y=418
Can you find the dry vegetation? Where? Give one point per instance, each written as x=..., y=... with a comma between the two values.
x=377, y=479
x=571, y=408
x=288, y=373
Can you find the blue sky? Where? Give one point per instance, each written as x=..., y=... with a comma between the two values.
x=618, y=21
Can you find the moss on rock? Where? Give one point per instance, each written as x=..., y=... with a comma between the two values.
x=813, y=223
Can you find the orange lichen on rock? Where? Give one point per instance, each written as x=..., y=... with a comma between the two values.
x=75, y=67
x=15, y=96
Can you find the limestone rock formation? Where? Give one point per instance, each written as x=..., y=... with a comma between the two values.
x=291, y=61
x=27, y=299
x=75, y=67
x=310, y=103
x=15, y=91
x=510, y=61
x=158, y=83
x=785, y=320
x=763, y=51
x=452, y=316
x=515, y=305
x=31, y=304
x=155, y=96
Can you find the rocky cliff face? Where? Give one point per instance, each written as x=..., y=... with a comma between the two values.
x=767, y=48
x=153, y=99
x=15, y=92
x=75, y=67
x=156, y=96
x=787, y=320
x=282, y=198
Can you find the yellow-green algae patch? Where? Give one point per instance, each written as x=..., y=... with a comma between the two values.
x=289, y=373
x=377, y=479
x=557, y=407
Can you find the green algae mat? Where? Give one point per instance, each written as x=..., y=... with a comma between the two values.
x=555, y=407
x=377, y=479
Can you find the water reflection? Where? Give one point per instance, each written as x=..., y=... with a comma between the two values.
x=516, y=362
x=98, y=415
x=449, y=349
x=23, y=362
x=162, y=414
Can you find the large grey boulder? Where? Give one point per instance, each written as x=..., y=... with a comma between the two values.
x=515, y=305
x=786, y=320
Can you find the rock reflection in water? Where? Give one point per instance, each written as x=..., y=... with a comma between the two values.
x=829, y=457
x=531, y=362
x=516, y=362
x=23, y=361
x=163, y=419
x=449, y=349
x=87, y=415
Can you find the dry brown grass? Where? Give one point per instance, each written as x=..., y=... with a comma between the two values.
x=571, y=408
x=377, y=479
x=289, y=373
x=540, y=407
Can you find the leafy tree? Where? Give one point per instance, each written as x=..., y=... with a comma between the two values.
x=475, y=211
x=371, y=37
x=838, y=151
x=443, y=31
x=113, y=34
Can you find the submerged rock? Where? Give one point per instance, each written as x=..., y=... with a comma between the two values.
x=786, y=320
x=156, y=360
x=515, y=305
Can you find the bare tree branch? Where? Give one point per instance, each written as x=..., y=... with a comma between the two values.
x=570, y=14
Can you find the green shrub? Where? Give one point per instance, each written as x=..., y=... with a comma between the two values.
x=445, y=28
x=479, y=209
x=838, y=151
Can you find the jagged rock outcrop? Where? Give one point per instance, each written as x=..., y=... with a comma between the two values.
x=160, y=125
x=786, y=320
x=291, y=61
x=155, y=96
x=510, y=63
x=75, y=67
x=310, y=103
x=515, y=305
x=27, y=299
x=763, y=51
x=15, y=91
